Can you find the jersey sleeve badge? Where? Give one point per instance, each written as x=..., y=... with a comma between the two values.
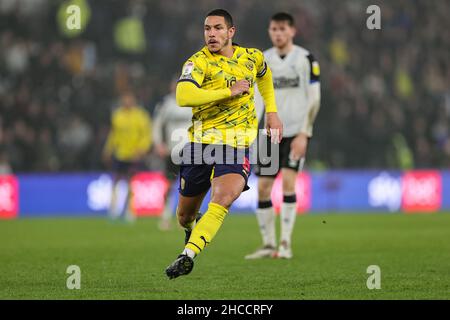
x=187, y=70
x=315, y=68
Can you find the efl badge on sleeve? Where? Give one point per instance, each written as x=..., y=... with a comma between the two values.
x=188, y=68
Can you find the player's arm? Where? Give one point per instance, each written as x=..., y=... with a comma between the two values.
x=145, y=140
x=108, y=149
x=312, y=74
x=189, y=92
x=190, y=95
x=158, y=124
x=313, y=92
x=265, y=86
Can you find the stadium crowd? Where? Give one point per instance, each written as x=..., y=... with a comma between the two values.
x=385, y=93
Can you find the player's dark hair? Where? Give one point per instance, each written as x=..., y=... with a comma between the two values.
x=283, y=16
x=222, y=13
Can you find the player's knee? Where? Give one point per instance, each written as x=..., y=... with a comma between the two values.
x=264, y=189
x=185, y=218
x=289, y=188
x=224, y=198
x=289, y=183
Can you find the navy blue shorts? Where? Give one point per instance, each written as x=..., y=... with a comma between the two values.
x=127, y=167
x=203, y=162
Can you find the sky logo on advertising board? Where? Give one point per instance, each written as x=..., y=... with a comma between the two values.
x=422, y=191
x=385, y=191
x=99, y=193
x=9, y=197
x=148, y=189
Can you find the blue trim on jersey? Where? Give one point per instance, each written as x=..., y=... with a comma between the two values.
x=313, y=81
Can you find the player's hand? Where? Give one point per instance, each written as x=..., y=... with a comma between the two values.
x=298, y=147
x=161, y=150
x=240, y=87
x=274, y=127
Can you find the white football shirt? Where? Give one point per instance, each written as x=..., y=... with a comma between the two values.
x=291, y=77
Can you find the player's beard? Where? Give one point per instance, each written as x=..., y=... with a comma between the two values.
x=225, y=44
x=227, y=40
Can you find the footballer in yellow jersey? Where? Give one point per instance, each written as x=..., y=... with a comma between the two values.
x=218, y=84
x=129, y=140
x=130, y=136
x=227, y=121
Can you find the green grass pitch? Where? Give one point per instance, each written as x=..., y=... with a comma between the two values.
x=331, y=256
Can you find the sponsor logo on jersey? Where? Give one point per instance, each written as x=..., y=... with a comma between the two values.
x=283, y=82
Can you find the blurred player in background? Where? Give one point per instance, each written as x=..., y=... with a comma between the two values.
x=128, y=143
x=297, y=91
x=5, y=167
x=217, y=82
x=170, y=127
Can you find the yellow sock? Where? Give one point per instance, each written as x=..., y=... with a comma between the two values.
x=205, y=230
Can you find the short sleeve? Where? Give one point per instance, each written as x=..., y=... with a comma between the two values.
x=194, y=71
x=314, y=69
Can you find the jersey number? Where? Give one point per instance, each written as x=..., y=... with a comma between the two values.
x=231, y=81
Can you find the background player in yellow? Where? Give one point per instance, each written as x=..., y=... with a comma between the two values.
x=128, y=142
x=217, y=82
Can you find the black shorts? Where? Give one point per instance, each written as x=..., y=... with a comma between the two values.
x=284, y=149
x=203, y=162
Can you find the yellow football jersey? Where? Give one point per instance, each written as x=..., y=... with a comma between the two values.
x=130, y=133
x=231, y=121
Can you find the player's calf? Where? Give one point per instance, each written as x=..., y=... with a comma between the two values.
x=225, y=191
x=188, y=232
x=185, y=219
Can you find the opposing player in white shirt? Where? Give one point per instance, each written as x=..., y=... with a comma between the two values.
x=297, y=91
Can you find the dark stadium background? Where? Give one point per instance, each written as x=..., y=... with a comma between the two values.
x=385, y=106
x=377, y=86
